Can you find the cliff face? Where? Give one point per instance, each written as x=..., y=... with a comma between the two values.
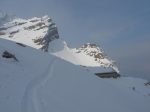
x=35, y=32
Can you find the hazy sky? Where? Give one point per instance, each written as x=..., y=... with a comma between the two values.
x=120, y=27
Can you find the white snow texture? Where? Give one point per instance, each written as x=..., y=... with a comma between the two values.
x=44, y=82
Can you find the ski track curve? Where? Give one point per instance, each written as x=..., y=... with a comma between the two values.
x=30, y=101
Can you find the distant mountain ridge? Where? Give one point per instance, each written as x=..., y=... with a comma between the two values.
x=40, y=33
x=35, y=32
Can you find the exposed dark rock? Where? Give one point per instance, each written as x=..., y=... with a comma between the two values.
x=12, y=33
x=38, y=41
x=147, y=84
x=99, y=56
x=51, y=25
x=50, y=31
x=7, y=54
x=40, y=24
x=22, y=23
x=133, y=88
x=108, y=75
x=21, y=44
x=42, y=27
x=83, y=66
x=49, y=20
x=51, y=35
x=96, y=53
x=30, y=27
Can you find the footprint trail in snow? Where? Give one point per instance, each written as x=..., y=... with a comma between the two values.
x=30, y=101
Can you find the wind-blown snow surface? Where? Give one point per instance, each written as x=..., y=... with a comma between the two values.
x=40, y=82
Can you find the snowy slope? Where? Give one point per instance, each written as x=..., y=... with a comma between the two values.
x=40, y=82
x=39, y=33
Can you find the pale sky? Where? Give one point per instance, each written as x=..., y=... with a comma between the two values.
x=120, y=27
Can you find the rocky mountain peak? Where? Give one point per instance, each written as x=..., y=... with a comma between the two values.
x=42, y=33
x=94, y=52
x=39, y=32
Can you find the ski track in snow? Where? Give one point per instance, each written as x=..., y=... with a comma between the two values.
x=30, y=101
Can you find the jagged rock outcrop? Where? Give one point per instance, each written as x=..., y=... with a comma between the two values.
x=9, y=55
x=94, y=52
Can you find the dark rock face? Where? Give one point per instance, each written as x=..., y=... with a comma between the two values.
x=7, y=54
x=40, y=24
x=147, y=84
x=22, y=45
x=97, y=53
x=108, y=75
x=45, y=26
x=51, y=35
x=13, y=32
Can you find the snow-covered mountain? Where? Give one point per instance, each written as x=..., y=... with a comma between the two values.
x=35, y=32
x=40, y=33
x=34, y=81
